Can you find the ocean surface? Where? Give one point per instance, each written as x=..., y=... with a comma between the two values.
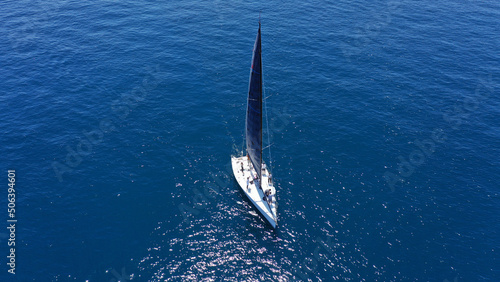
x=120, y=117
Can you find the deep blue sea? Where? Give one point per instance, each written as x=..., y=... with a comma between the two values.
x=120, y=117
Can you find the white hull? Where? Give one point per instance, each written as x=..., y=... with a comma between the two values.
x=251, y=188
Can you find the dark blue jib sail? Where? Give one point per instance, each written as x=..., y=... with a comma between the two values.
x=254, y=109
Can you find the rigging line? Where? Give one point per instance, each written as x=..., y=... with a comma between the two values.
x=267, y=146
x=243, y=146
x=267, y=119
x=270, y=209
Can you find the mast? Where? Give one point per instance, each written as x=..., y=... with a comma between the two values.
x=254, y=109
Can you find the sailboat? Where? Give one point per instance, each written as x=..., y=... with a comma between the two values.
x=251, y=173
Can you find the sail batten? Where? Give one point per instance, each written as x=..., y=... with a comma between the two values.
x=254, y=109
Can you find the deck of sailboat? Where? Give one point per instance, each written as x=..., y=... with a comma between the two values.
x=251, y=189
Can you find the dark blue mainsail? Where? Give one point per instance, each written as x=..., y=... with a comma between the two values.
x=254, y=109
